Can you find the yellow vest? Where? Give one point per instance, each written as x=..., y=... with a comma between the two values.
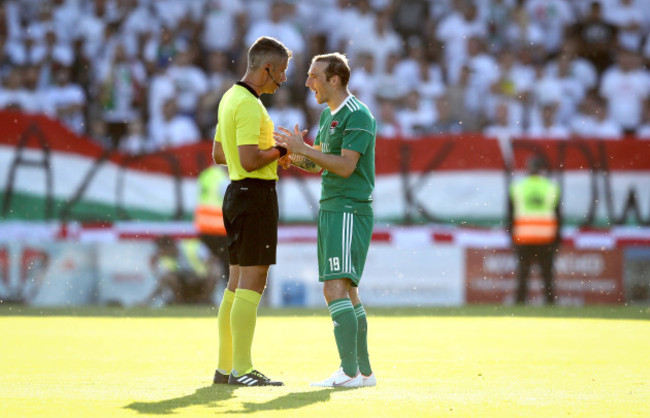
x=208, y=217
x=534, y=200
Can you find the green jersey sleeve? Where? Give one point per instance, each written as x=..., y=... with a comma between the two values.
x=359, y=132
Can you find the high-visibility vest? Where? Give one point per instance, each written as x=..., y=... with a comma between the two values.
x=208, y=217
x=189, y=258
x=534, y=200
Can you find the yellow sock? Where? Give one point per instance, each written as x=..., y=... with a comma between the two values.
x=225, y=336
x=242, y=323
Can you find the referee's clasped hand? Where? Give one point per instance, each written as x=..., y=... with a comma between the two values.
x=293, y=141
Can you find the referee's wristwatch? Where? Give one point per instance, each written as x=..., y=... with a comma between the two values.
x=283, y=150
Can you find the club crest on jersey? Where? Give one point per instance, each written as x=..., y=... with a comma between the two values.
x=333, y=126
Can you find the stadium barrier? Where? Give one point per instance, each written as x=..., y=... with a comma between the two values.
x=406, y=266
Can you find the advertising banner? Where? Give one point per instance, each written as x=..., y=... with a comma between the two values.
x=394, y=275
x=47, y=274
x=125, y=272
x=582, y=277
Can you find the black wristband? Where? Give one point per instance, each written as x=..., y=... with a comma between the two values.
x=283, y=150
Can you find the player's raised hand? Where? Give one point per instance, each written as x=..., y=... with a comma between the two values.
x=292, y=141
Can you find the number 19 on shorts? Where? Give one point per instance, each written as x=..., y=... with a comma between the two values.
x=335, y=265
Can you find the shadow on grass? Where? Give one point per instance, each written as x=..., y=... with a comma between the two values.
x=289, y=401
x=211, y=396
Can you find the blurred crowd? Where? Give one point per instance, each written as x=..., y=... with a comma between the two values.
x=142, y=75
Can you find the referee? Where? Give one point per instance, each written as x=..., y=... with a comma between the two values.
x=244, y=142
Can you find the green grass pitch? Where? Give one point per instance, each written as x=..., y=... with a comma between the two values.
x=473, y=361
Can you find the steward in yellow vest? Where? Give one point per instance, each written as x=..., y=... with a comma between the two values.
x=534, y=222
x=208, y=215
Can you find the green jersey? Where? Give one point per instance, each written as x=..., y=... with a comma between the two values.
x=351, y=126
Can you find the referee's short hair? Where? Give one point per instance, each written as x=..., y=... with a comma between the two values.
x=337, y=64
x=266, y=48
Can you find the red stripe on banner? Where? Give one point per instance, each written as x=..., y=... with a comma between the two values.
x=431, y=154
x=381, y=236
x=154, y=235
x=442, y=237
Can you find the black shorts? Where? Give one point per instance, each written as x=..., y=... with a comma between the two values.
x=250, y=215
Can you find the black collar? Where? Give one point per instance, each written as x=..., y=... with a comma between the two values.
x=249, y=88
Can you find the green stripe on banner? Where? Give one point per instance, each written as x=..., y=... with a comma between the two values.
x=29, y=207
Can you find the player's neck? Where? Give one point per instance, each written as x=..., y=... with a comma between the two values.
x=337, y=98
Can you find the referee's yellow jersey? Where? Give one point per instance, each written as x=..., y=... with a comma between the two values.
x=243, y=120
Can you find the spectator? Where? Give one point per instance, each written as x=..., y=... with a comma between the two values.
x=38, y=99
x=580, y=69
x=136, y=141
x=549, y=128
x=410, y=17
x=121, y=82
x=446, y=122
x=69, y=101
x=160, y=51
x=388, y=84
x=581, y=122
x=625, y=86
x=596, y=37
x=629, y=18
x=190, y=82
x=277, y=26
x=418, y=73
x=173, y=129
x=483, y=68
x=522, y=30
x=560, y=88
x=454, y=30
x=13, y=95
x=553, y=17
x=381, y=41
x=466, y=99
x=502, y=128
x=417, y=116
x=497, y=14
x=224, y=23
x=387, y=124
x=363, y=79
x=602, y=126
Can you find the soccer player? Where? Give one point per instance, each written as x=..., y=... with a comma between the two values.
x=244, y=142
x=344, y=149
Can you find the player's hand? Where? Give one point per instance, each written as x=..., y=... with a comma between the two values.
x=285, y=162
x=293, y=141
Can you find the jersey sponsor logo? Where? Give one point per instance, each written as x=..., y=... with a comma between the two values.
x=333, y=126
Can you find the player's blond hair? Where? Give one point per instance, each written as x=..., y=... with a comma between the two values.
x=337, y=64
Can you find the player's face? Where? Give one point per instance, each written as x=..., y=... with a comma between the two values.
x=317, y=82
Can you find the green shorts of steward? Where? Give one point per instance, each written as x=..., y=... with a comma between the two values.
x=343, y=242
